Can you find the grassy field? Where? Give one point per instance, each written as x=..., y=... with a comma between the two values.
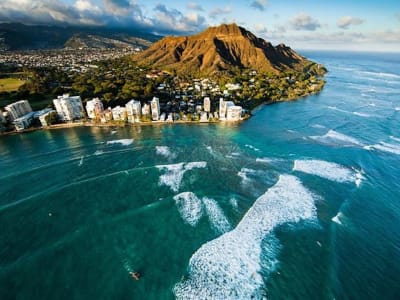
x=10, y=84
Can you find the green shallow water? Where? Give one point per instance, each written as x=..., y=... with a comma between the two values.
x=78, y=213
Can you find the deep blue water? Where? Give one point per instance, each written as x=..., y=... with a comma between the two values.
x=302, y=201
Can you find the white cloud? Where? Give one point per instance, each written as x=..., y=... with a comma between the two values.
x=304, y=22
x=194, y=6
x=259, y=4
x=171, y=20
x=346, y=21
x=216, y=12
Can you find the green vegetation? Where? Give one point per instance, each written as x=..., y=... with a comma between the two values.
x=117, y=81
x=10, y=84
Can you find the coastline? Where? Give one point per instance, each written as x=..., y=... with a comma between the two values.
x=111, y=125
x=155, y=123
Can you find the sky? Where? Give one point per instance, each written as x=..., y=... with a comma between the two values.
x=302, y=24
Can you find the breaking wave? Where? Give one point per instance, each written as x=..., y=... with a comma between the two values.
x=385, y=147
x=174, y=173
x=123, y=142
x=252, y=147
x=229, y=267
x=336, y=138
x=165, y=151
x=328, y=170
x=216, y=216
x=189, y=207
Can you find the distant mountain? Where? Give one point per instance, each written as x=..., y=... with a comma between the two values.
x=17, y=36
x=221, y=48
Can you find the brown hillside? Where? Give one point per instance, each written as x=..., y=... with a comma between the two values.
x=221, y=48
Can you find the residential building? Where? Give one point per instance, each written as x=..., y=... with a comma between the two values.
x=119, y=113
x=18, y=109
x=107, y=115
x=2, y=118
x=24, y=122
x=146, y=109
x=43, y=114
x=133, y=111
x=234, y=113
x=203, y=117
x=69, y=108
x=155, y=109
x=222, y=109
x=207, y=104
x=94, y=108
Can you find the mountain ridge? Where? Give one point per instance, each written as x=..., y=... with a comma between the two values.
x=220, y=49
x=18, y=36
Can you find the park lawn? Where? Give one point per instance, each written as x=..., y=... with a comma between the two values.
x=10, y=84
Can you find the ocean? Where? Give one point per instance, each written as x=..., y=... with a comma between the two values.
x=302, y=201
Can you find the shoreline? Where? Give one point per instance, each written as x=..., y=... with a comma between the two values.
x=153, y=123
x=110, y=125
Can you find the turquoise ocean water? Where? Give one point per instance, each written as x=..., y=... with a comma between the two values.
x=302, y=201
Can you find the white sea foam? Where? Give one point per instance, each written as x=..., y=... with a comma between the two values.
x=210, y=150
x=216, y=216
x=360, y=114
x=244, y=174
x=328, y=170
x=174, y=173
x=189, y=207
x=269, y=160
x=98, y=152
x=252, y=147
x=385, y=147
x=338, y=109
x=337, y=138
x=233, y=201
x=395, y=138
x=319, y=126
x=336, y=218
x=229, y=267
x=380, y=74
x=397, y=108
x=123, y=142
x=165, y=151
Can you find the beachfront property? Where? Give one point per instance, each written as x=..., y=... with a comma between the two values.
x=28, y=119
x=155, y=109
x=94, y=108
x=18, y=109
x=207, y=104
x=146, y=110
x=119, y=113
x=43, y=114
x=234, y=113
x=69, y=108
x=133, y=111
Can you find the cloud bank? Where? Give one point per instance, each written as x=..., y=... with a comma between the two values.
x=346, y=21
x=113, y=13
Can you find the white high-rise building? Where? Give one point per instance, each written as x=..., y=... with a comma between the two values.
x=155, y=109
x=207, y=104
x=18, y=109
x=234, y=113
x=69, y=108
x=146, y=109
x=222, y=109
x=2, y=118
x=119, y=113
x=133, y=111
x=94, y=108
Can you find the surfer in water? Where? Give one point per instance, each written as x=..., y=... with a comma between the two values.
x=135, y=275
